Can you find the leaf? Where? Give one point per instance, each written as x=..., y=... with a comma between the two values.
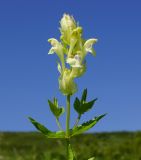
x=71, y=155
x=85, y=126
x=45, y=131
x=55, y=101
x=86, y=106
x=76, y=104
x=81, y=108
x=84, y=96
x=92, y=158
x=55, y=109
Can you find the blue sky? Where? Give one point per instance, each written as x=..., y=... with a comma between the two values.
x=28, y=75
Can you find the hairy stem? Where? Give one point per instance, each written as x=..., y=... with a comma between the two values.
x=68, y=116
x=68, y=124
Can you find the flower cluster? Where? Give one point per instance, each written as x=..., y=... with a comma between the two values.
x=71, y=50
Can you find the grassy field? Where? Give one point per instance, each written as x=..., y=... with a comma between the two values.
x=104, y=146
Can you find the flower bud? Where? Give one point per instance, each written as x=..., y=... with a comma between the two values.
x=67, y=22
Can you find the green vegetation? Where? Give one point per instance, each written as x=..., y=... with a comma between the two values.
x=105, y=146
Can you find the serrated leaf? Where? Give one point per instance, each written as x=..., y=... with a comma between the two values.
x=45, y=131
x=85, y=126
x=84, y=96
x=92, y=158
x=86, y=106
x=55, y=109
x=81, y=108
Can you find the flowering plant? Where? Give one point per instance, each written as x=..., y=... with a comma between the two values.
x=72, y=50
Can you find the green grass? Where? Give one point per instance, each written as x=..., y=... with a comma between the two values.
x=104, y=146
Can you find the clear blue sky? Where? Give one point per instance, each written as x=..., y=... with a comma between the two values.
x=28, y=75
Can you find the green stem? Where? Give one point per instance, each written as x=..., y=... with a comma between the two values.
x=68, y=116
x=68, y=124
x=67, y=143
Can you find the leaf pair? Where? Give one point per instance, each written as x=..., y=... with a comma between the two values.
x=61, y=134
x=55, y=109
x=82, y=106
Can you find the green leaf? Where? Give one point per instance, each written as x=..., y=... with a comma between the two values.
x=85, y=126
x=77, y=104
x=55, y=101
x=84, y=96
x=57, y=112
x=92, y=158
x=45, y=131
x=71, y=155
x=86, y=106
x=81, y=108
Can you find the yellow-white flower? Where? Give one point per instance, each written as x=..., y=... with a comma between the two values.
x=56, y=46
x=74, y=38
x=58, y=49
x=72, y=50
x=66, y=83
x=75, y=62
x=88, y=46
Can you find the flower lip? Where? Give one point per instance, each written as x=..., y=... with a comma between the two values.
x=53, y=41
x=88, y=46
x=77, y=57
x=75, y=62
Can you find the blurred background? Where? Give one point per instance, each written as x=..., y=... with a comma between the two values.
x=29, y=76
